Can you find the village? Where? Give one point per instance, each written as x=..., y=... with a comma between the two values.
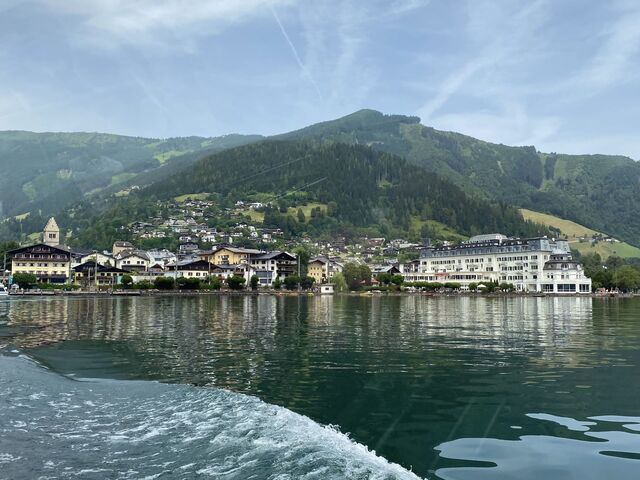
x=246, y=256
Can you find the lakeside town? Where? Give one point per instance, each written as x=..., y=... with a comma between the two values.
x=484, y=263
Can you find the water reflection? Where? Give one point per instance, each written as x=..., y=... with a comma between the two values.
x=400, y=374
x=597, y=453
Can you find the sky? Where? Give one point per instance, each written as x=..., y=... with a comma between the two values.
x=563, y=75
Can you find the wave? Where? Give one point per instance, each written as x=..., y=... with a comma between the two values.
x=57, y=427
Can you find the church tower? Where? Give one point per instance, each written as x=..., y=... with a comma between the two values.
x=51, y=235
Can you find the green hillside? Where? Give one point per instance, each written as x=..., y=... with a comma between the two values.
x=576, y=235
x=354, y=189
x=599, y=191
x=49, y=171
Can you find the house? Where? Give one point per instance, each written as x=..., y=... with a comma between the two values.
x=228, y=255
x=187, y=248
x=91, y=273
x=161, y=257
x=271, y=265
x=192, y=269
x=50, y=264
x=133, y=260
x=390, y=269
x=120, y=246
x=322, y=269
x=100, y=258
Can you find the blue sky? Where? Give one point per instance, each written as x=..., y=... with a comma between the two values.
x=562, y=75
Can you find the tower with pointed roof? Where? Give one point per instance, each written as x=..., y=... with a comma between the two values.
x=51, y=234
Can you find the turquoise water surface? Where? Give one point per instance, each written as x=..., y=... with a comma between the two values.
x=320, y=387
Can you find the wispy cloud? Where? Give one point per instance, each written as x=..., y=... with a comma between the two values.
x=115, y=23
x=500, y=37
x=294, y=51
x=616, y=59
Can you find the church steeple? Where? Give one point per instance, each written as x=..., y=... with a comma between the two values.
x=51, y=234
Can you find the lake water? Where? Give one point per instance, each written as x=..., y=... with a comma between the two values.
x=320, y=387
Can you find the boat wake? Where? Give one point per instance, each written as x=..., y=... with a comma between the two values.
x=56, y=427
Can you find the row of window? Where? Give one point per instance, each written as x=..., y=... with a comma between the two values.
x=18, y=264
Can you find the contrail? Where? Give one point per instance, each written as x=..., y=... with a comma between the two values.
x=295, y=52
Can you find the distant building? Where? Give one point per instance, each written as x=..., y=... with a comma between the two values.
x=227, y=255
x=120, y=246
x=531, y=265
x=92, y=274
x=133, y=260
x=322, y=269
x=271, y=265
x=50, y=264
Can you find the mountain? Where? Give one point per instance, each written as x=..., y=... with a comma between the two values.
x=357, y=190
x=45, y=173
x=599, y=191
x=50, y=171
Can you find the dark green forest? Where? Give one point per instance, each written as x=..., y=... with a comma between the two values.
x=598, y=191
x=365, y=191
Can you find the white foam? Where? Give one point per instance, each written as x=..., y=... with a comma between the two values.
x=146, y=430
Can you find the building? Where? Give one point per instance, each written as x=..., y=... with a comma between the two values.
x=531, y=265
x=133, y=260
x=271, y=265
x=322, y=269
x=200, y=269
x=91, y=273
x=51, y=234
x=50, y=264
x=227, y=255
x=119, y=247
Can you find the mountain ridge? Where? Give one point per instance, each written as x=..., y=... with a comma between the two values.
x=597, y=190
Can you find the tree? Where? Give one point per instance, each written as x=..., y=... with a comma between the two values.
x=188, y=283
x=397, y=279
x=306, y=282
x=254, y=282
x=215, y=283
x=627, y=278
x=356, y=275
x=473, y=286
x=291, y=282
x=277, y=283
x=301, y=217
x=164, y=283
x=303, y=260
x=127, y=281
x=4, y=248
x=339, y=282
x=236, y=282
x=25, y=280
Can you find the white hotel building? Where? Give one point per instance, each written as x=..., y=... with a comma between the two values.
x=531, y=265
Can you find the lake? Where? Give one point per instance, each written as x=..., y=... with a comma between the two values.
x=320, y=387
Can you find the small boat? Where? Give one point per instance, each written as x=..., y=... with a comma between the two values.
x=3, y=290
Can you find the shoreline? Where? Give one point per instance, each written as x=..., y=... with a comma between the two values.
x=277, y=293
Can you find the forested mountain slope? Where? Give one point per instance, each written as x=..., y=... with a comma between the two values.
x=600, y=191
x=50, y=171
x=369, y=188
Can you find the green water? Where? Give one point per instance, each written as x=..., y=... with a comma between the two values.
x=503, y=388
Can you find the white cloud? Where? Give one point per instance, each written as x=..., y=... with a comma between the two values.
x=115, y=23
x=615, y=60
x=499, y=36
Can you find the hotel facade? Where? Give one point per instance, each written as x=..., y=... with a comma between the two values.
x=531, y=265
